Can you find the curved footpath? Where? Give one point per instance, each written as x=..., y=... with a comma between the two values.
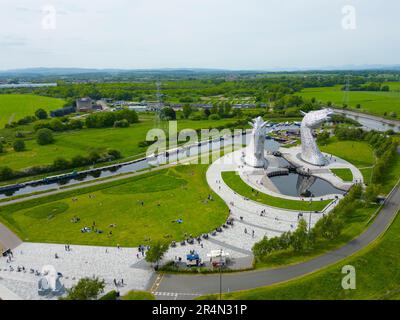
x=189, y=286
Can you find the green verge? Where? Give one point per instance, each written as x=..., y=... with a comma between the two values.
x=377, y=276
x=138, y=295
x=344, y=174
x=235, y=182
x=169, y=194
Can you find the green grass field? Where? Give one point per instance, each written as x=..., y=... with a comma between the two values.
x=344, y=174
x=14, y=107
x=48, y=219
x=362, y=156
x=138, y=295
x=371, y=102
x=358, y=153
x=235, y=182
x=377, y=276
x=70, y=144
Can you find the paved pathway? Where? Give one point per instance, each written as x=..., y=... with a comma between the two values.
x=8, y=239
x=107, y=263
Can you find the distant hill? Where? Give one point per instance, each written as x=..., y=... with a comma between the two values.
x=179, y=72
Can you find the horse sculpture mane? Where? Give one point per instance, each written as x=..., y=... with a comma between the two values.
x=309, y=149
x=255, y=151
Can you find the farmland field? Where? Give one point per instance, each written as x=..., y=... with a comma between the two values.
x=16, y=106
x=373, y=102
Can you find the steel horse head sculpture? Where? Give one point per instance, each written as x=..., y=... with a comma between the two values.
x=309, y=149
x=255, y=151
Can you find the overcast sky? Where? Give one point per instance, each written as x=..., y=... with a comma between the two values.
x=233, y=34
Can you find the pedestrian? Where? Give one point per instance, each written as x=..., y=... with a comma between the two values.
x=253, y=233
x=245, y=230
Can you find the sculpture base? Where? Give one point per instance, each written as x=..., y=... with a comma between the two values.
x=256, y=163
x=317, y=161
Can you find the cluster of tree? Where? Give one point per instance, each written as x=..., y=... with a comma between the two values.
x=24, y=121
x=110, y=119
x=59, y=125
x=18, y=146
x=218, y=111
x=304, y=239
x=370, y=86
x=156, y=253
x=297, y=240
x=86, y=289
x=60, y=164
x=167, y=114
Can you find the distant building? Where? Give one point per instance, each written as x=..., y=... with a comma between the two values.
x=244, y=106
x=138, y=108
x=97, y=107
x=84, y=105
x=155, y=106
x=202, y=105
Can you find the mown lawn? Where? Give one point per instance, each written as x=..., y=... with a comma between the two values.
x=167, y=195
x=235, y=182
x=358, y=153
x=14, y=107
x=344, y=174
x=371, y=102
x=377, y=276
